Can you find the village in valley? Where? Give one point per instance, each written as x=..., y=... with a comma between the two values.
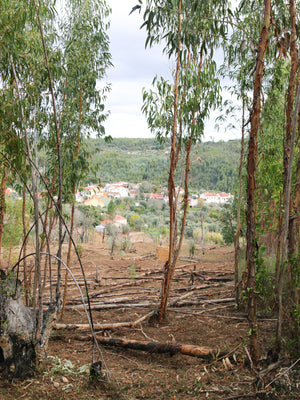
x=100, y=196
x=95, y=195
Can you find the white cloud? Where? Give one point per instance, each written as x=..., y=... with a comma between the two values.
x=135, y=68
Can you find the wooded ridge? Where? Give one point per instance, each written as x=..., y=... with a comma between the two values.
x=213, y=164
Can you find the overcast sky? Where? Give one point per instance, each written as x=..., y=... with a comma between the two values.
x=134, y=68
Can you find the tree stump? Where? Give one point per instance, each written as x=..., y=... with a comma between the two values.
x=19, y=345
x=17, y=330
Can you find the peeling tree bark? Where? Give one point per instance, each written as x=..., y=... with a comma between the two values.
x=2, y=207
x=290, y=137
x=19, y=346
x=251, y=180
x=169, y=266
x=285, y=228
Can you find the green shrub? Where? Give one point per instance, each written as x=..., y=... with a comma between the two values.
x=214, y=238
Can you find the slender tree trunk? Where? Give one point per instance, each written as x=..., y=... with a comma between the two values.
x=278, y=247
x=171, y=186
x=296, y=235
x=58, y=147
x=251, y=181
x=284, y=239
x=73, y=207
x=290, y=137
x=2, y=207
x=238, y=229
x=68, y=261
x=36, y=218
x=26, y=271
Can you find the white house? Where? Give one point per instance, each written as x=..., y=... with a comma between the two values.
x=117, y=190
x=216, y=198
x=118, y=221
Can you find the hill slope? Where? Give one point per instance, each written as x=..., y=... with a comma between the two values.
x=214, y=164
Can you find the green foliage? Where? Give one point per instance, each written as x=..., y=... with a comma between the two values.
x=111, y=208
x=132, y=273
x=126, y=245
x=213, y=164
x=79, y=250
x=137, y=222
x=93, y=213
x=192, y=249
x=13, y=226
x=214, y=238
x=63, y=367
x=265, y=280
x=228, y=221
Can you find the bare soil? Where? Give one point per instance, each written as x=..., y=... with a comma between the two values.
x=125, y=288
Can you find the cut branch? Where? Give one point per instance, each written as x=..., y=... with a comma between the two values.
x=154, y=347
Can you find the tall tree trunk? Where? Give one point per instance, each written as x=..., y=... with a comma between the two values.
x=291, y=127
x=296, y=235
x=238, y=229
x=58, y=148
x=2, y=207
x=278, y=246
x=171, y=187
x=73, y=207
x=36, y=217
x=285, y=229
x=251, y=180
x=26, y=271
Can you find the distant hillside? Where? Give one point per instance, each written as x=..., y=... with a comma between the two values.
x=213, y=167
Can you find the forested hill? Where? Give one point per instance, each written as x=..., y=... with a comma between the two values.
x=214, y=165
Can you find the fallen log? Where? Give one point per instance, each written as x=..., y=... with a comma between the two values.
x=103, y=327
x=147, y=304
x=154, y=347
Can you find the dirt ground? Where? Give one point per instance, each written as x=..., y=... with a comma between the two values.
x=201, y=313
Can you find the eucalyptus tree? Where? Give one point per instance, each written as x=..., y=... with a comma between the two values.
x=35, y=68
x=282, y=24
x=81, y=93
x=238, y=66
x=292, y=110
x=190, y=32
x=251, y=180
x=23, y=80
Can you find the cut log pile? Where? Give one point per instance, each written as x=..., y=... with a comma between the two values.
x=136, y=287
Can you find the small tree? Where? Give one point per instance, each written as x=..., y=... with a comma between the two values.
x=178, y=110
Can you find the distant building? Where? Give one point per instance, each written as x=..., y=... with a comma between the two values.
x=8, y=190
x=216, y=198
x=118, y=221
x=154, y=196
x=117, y=190
x=88, y=192
x=94, y=201
x=193, y=201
